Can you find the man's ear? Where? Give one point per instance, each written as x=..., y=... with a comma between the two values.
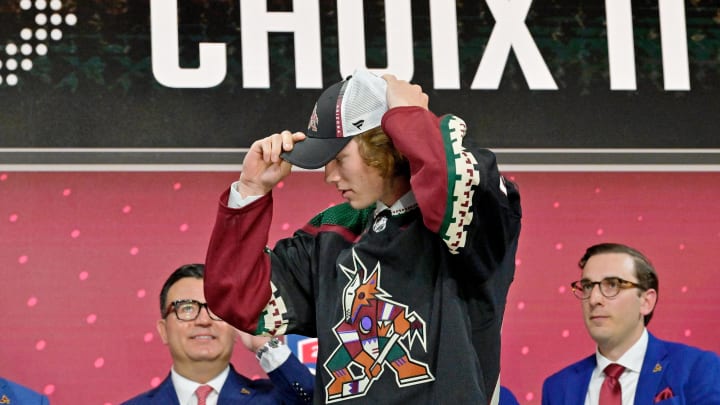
x=649, y=299
x=161, y=326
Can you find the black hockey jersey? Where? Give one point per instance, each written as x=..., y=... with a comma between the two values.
x=407, y=304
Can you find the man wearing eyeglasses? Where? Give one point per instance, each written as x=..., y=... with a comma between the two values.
x=201, y=345
x=618, y=292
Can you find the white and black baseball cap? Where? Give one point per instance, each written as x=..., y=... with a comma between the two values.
x=345, y=109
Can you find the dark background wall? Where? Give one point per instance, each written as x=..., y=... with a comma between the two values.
x=95, y=88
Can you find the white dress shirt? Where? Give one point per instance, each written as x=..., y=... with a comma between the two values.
x=185, y=389
x=235, y=200
x=632, y=360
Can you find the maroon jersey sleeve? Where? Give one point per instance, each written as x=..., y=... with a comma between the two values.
x=237, y=280
x=460, y=192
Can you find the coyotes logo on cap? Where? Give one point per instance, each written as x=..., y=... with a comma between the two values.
x=313, y=124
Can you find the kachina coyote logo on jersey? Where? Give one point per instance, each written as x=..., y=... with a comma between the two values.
x=376, y=332
x=33, y=40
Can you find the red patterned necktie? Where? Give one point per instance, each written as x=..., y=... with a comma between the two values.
x=611, y=392
x=202, y=393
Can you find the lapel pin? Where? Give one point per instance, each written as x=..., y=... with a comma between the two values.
x=658, y=368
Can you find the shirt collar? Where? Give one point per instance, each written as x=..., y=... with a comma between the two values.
x=405, y=204
x=185, y=388
x=632, y=359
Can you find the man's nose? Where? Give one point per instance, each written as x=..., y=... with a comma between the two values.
x=331, y=172
x=595, y=294
x=204, y=316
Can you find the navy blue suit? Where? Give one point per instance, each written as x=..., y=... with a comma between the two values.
x=14, y=393
x=291, y=383
x=678, y=373
x=507, y=397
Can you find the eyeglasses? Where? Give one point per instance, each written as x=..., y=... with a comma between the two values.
x=189, y=310
x=609, y=287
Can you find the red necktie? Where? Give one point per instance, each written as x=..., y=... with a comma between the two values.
x=611, y=392
x=202, y=393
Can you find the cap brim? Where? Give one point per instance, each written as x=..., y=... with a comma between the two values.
x=314, y=153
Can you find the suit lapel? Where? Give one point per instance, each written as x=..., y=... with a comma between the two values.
x=6, y=392
x=165, y=394
x=653, y=369
x=579, y=381
x=235, y=390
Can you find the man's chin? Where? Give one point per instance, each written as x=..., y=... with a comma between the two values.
x=205, y=353
x=206, y=357
x=359, y=205
x=599, y=334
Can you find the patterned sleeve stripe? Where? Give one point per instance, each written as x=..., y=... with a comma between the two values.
x=463, y=177
x=273, y=319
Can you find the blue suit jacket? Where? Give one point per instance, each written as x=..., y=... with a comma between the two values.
x=691, y=374
x=291, y=383
x=13, y=393
x=507, y=397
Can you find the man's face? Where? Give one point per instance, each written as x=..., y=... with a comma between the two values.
x=615, y=323
x=358, y=183
x=198, y=341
